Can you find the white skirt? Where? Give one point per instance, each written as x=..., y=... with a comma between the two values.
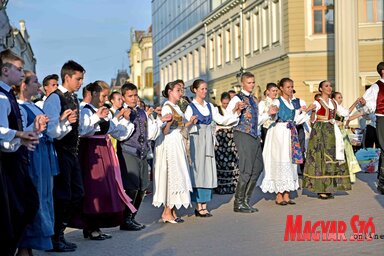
x=172, y=184
x=279, y=174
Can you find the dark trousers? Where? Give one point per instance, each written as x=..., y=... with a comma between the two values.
x=68, y=190
x=380, y=137
x=250, y=157
x=19, y=201
x=134, y=171
x=371, y=137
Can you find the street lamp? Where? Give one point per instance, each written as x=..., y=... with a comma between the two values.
x=237, y=86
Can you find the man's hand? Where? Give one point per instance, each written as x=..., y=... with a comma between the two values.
x=102, y=112
x=65, y=115
x=40, y=123
x=72, y=118
x=167, y=118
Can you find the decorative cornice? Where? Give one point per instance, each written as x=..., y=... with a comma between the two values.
x=221, y=10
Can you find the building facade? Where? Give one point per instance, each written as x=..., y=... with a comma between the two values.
x=306, y=40
x=141, y=63
x=17, y=40
x=178, y=41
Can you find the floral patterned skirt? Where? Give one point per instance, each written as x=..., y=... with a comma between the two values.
x=322, y=172
x=226, y=162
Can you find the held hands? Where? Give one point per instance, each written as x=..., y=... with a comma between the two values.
x=28, y=139
x=40, y=123
x=158, y=111
x=70, y=115
x=193, y=120
x=273, y=110
x=309, y=108
x=102, y=112
x=167, y=118
x=361, y=100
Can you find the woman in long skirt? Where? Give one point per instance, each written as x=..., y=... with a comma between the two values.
x=43, y=166
x=343, y=115
x=226, y=153
x=172, y=184
x=326, y=170
x=203, y=163
x=104, y=196
x=282, y=150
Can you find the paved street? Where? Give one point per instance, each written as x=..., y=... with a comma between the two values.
x=262, y=233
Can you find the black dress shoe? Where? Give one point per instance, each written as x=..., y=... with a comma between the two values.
x=205, y=215
x=179, y=220
x=243, y=209
x=105, y=235
x=129, y=225
x=291, y=202
x=60, y=246
x=281, y=203
x=138, y=223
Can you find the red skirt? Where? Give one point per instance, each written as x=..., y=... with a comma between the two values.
x=104, y=195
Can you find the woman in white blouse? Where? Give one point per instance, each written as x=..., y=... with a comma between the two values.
x=282, y=151
x=202, y=139
x=172, y=183
x=104, y=196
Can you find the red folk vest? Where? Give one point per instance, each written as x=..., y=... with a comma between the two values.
x=380, y=98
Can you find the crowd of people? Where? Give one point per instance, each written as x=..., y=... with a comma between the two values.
x=86, y=165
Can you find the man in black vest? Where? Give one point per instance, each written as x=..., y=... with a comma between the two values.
x=62, y=109
x=132, y=154
x=19, y=201
x=374, y=99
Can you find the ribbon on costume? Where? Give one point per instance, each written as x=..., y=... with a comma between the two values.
x=297, y=155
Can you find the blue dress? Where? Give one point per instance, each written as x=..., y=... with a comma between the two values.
x=43, y=166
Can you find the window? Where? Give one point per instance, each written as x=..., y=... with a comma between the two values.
x=212, y=53
x=179, y=69
x=138, y=82
x=148, y=78
x=185, y=68
x=196, y=66
x=237, y=41
x=228, y=45
x=247, y=48
x=255, y=28
x=219, y=47
x=322, y=16
x=265, y=25
x=202, y=60
x=190, y=66
x=275, y=21
x=373, y=10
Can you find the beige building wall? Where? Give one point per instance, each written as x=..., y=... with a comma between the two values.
x=141, y=63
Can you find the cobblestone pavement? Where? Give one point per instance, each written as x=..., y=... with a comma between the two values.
x=262, y=233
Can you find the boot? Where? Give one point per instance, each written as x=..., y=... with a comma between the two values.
x=60, y=244
x=139, y=198
x=380, y=182
x=248, y=194
x=238, y=205
x=128, y=224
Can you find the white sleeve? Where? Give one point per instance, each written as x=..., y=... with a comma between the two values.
x=120, y=129
x=52, y=109
x=88, y=122
x=342, y=111
x=10, y=146
x=232, y=104
x=261, y=107
x=370, y=97
x=6, y=134
x=229, y=119
x=154, y=128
